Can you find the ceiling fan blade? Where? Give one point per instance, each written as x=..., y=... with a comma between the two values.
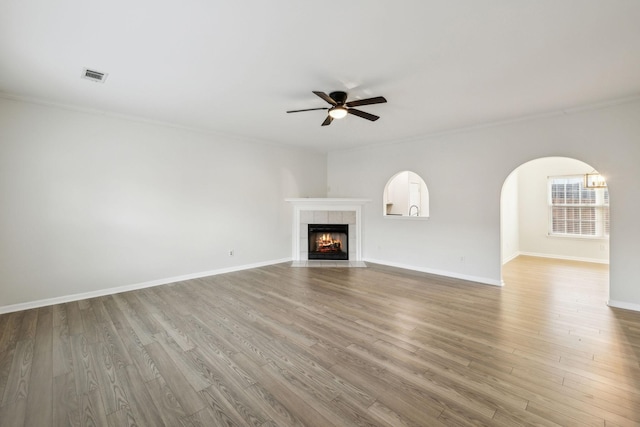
x=325, y=97
x=308, y=109
x=327, y=121
x=362, y=114
x=368, y=101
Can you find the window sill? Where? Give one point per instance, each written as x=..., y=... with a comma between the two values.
x=406, y=217
x=578, y=237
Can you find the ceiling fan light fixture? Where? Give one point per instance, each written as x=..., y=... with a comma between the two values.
x=340, y=107
x=338, y=112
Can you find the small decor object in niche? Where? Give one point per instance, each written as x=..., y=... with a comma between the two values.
x=406, y=195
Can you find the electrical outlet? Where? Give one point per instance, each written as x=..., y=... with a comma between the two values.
x=230, y=252
x=462, y=258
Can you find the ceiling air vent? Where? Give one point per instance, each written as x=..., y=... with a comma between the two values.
x=95, y=76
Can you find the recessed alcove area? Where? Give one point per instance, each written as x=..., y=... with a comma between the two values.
x=319, y=211
x=406, y=196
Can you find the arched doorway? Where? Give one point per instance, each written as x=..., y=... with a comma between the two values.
x=547, y=210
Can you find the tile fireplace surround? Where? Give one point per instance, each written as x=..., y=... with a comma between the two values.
x=326, y=211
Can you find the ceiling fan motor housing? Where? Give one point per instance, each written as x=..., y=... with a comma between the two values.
x=339, y=96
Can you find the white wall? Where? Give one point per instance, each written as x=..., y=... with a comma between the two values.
x=534, y=213
x=90, y=202
x=398, y=194
x=509, y=216
x=462, y=236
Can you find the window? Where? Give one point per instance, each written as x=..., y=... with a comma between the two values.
x=577, y=211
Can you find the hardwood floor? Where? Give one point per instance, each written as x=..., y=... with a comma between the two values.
x=281, y=346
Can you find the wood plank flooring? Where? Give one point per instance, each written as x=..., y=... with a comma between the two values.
x=376, y=346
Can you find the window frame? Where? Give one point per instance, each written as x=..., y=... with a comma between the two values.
x=600, y=206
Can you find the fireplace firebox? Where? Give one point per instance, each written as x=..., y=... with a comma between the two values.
x=328, y=241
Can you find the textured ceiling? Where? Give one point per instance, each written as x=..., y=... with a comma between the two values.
x=235, y=67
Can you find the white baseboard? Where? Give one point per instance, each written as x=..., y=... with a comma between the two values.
x=564, y=257
x=623, y=305
x=127, y=288
x=483, y=280
x=510, y=258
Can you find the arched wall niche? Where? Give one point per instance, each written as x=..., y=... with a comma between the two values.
x=405, y=196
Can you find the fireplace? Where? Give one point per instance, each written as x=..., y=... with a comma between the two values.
x=342, y=211
x=328, y=241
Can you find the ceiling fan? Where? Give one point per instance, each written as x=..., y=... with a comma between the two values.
x=340, y=107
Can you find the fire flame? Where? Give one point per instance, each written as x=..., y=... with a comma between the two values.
x=327, y=243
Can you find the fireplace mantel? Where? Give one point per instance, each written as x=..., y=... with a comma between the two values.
x=306, y=206
x=306, y=201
